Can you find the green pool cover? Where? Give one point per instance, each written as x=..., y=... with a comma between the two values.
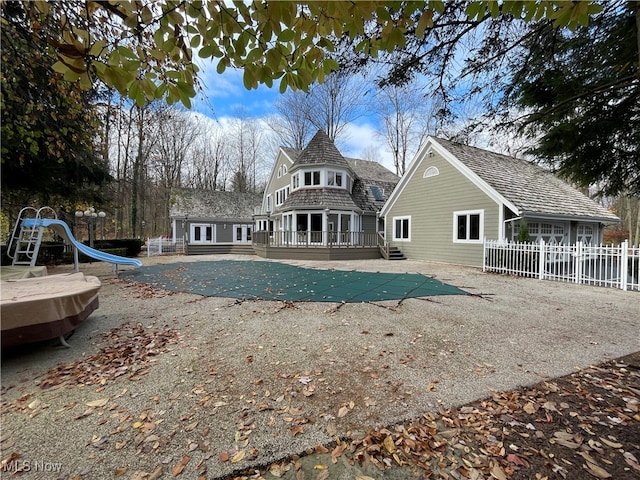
x=278, y=281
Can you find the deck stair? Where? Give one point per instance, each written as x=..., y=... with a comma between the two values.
x=396, y=254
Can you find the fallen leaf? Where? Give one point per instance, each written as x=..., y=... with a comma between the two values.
x=388, y=444
x=516, y=460
x=156, y=474
x=98, y=403
x=177, y=469
x=343, y=411
x=223, y=457
x=296, y=429
x=530, y=408
x=596, y=470
x=238, y=456
x=120, y=471
x=610, y=443
x=320, y=449
x=191, y=426
x=498, y=472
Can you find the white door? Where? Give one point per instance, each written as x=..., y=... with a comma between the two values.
x=241, y=233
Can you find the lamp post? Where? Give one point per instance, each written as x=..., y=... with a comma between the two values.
x=101, y=216
x=90, y=215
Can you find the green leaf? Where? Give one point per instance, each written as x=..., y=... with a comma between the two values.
x=286, y=35
x=147, y=16
x=60, y=67
x=97, y=48
x=185, y=92
x=426, y=21
x=221, y=66
x=132, y=20
x=248, y=79
x=475, y=10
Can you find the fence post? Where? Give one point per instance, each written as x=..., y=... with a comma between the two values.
x=541, y=260
x=624, y=267
x=484, y=255
x=577, y=263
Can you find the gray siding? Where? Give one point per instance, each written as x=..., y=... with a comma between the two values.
x=369, y=223
x=431, y=203
x=276, y=183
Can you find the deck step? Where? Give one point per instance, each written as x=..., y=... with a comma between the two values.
x=396, y=254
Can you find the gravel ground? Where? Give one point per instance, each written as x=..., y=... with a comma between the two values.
x=221, y=385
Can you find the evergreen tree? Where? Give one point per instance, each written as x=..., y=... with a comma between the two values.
x=581, y=90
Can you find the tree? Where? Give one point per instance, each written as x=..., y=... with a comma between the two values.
x=581, y=92
x=285, y=41
x=49, y=126
x=406, y=119
x=293, y=126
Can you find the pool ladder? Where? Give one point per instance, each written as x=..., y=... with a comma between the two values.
x=26, y=241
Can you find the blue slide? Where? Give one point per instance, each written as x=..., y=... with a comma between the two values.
x=62, y=229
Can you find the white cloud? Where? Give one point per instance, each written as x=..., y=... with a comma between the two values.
x=361, y=137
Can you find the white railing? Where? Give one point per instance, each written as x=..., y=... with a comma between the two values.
x=604, y=265
x=164, y=246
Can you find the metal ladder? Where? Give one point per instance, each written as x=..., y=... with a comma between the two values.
x=26, y=241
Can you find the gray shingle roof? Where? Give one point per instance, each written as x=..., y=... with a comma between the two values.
x=368, y=174
x=370, y=170
x=321, y=151
x=532, y=189
x=212, y=204
x=319, y=198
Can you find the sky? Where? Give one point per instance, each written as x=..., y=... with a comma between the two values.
x=224, y=94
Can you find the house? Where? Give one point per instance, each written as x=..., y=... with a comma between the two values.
x=213, y=221
x=454, y=196
x=320, y=205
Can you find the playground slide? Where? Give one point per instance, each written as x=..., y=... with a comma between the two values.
x=62, y=229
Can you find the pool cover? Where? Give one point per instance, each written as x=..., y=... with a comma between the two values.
x=278, y=281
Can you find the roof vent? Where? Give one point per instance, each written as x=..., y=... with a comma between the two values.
x=431, y=172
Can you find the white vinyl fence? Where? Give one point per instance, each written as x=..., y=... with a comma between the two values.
x=605, y=265
x=164, y=246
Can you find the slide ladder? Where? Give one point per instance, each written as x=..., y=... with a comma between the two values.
x=26, y=240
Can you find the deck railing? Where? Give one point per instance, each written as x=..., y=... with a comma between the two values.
x=616, y=266
x=316, y=239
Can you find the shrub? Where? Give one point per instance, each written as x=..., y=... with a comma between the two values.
x=523, y=233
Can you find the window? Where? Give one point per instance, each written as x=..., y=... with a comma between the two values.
x=281, y=195
x=468, y=226
x=402, y=229
x=334, y=179
x=312, y=178
x=279, y=171
x=295, y=181
x=269, y=203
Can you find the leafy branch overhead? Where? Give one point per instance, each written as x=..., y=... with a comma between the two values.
x=146, y=49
